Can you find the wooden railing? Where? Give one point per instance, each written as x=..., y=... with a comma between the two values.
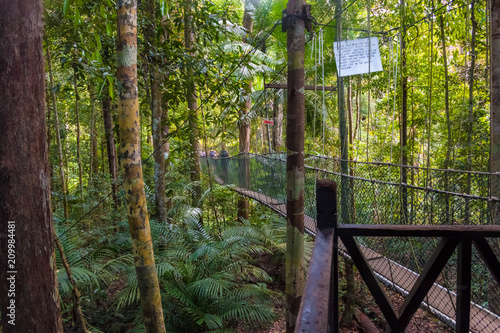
x=319, y=310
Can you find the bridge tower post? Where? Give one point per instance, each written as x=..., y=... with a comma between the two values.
x=295, y=21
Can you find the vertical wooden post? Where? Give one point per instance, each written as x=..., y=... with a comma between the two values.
x=463, y=286
x=295, y=276
x=326, y=207
x=319, y=307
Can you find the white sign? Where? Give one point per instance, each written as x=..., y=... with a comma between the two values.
x=352, y=57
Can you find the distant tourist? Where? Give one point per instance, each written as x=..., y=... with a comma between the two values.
x=212, y=153
x=223, y=152
x=224, y=163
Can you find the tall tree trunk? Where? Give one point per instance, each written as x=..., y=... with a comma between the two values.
x=28, y=288
x=494, y=288
x=404, y=120
x=130, y=156
x=193, y=114
x=448, y=116
x=344, y=143
x=94, y=160
x=446, y=94
x=358, y=109
x=166, y=149
x=278, y=125
x=156, y=113
x=470, y=126
x=58, y=140
x=110, y=145
x=78, y=151
x=244, y=122
x=295, y=171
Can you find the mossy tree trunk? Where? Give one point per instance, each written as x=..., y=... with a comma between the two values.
x=470, y=124
x=78, y=134
x=192, y=109
x=94, y=160
x=130, y=156
x=278, y=125
x=295, y=171
x=28, y=287
x=244, y=122
x=156, y=111
x=449, y=144
x=110, y=145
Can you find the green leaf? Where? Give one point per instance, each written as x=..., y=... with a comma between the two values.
x=111, y=91
x=66, y=5
x=163, y=8
x=77, y=18
x=109, y=29
x=103, y=11
x=98, y=41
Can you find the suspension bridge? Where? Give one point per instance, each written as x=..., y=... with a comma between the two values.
x=372, y=194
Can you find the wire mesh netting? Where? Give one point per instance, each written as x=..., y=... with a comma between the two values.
x=383, y=193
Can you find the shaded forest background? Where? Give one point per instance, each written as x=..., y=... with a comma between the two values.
x=202, y=67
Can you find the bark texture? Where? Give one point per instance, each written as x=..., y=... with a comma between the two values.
x=278, y=125
x=130, y=156
x=156, y=113
x=449, y=143
x=110, y=145
x=295, y=172
x=78, y=154
x=193, y=114
x=94, y=160
x=31, y=291
x=244, y=122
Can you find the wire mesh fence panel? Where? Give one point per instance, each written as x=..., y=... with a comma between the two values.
x=383, y=193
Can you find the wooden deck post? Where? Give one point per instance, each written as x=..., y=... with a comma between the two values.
x=464, y=286
x=319, y=308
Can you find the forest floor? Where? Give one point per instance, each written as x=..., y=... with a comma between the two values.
x=423, y=320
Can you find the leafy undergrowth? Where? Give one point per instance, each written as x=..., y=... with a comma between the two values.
x=423, y=320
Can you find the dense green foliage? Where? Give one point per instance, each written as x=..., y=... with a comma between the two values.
x=209, y=272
